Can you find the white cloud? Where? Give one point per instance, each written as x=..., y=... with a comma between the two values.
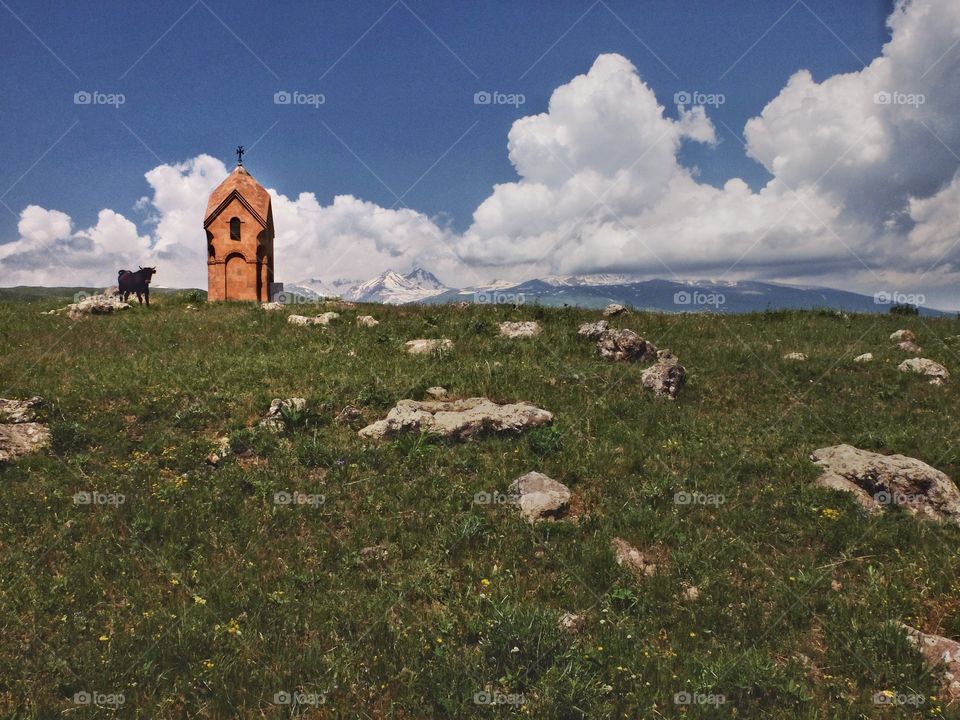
x=863, y=194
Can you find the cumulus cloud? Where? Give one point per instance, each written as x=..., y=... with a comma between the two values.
x=864, y=191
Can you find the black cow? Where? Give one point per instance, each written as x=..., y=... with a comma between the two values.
x=135, y=282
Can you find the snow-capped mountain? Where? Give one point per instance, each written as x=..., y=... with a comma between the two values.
x=388, y=287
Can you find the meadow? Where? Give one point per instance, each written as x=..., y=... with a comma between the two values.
x=394, y=594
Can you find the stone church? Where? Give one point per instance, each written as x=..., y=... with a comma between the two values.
x=239, y=227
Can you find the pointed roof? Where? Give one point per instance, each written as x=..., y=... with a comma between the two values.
x=241, y=184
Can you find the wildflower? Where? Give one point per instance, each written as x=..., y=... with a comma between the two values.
x=104, y=638
x=485, y=582
x=830, y=514
x=199, y=600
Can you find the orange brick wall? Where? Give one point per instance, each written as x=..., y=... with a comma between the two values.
x=234, y=271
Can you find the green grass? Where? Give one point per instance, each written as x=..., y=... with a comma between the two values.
x=199, y=597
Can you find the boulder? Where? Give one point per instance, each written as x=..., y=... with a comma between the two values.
x=593, y=331
x=349, y=414
x=865, y=358
x=903, y=336
x=935, y=371
x=666, y=378
x=427, y=346
x=614, y=309
x=625, y=345
x=796, y=356
x=638, y=562
x=93, y=305
x=878, y=481
x=437, y=393
x=910, y=347
x=571, y=622
x=322, y=319
x=112, y=291
x=526, y=329
x=275, y=418
x=540, y=497
x=943, y=656
x=272, y=306
x=367, y=321
x=22, y=438
x=459, y=419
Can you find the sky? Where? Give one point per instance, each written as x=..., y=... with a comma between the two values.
x=801, y=141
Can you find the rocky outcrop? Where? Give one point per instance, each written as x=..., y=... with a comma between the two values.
x=367, y=321
x=437, y=393
x=903, y=336
x=942, y=655
x=540, y=497
x=667, y=377
x=593, y=331
x=526, y=329
x=20, y=433
x=910, y=347
x=614, y=309
x=625, y=345
x=93, y=305
x=865, y=358
x=935, y=371
x=458, y=419
x=880, y=481
x=427, y=346
x=276, y=417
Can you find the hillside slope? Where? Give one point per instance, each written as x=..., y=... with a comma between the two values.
x=394, y=593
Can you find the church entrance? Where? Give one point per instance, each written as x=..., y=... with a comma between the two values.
x=236, y=277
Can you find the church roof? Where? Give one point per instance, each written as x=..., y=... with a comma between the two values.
x=251, y=193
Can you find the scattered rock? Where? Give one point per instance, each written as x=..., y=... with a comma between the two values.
x=426, y=346
x=614, y=309
x=19, y=411
x=691, y=593
x=93, y=305
x=459, y=419
x=865, y=358
x=910, y=347
x=935, y=371
x=636, y=561
x=571, y=622
x=367, y=321
x=20, y=434
x=666, y=378
x=943, y=656
x=540, y=497
x=877, y=481
x=526, y=329
x=349, y=414
x=222, y=449
x=322, y=319
x=625, y=345
x=275, y=418
x=593, y=331
x=272, y=306
x=903, y=336
x=797, y=356
x=437, y=393
x=374, y=553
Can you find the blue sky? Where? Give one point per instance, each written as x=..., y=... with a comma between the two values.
x=801, y=174
x=399, y=98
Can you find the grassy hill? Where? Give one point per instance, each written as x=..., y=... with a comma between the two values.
x=197, y=596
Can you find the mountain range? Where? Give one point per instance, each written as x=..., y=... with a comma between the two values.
x=597, y=291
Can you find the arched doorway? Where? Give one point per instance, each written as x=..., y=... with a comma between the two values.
x=236, y=277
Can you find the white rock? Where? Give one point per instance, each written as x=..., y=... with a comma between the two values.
x=614, y=309
x=526, y=329
x=427, y=346
x=272, y=306
x=572, y=622
x=910, y=347
x=902, y=336
x=942, y=655
x=367, y=321
x=635, y=560
x=540, y=497
x=666, y=378
x=459, y=419
x=274, y=419
x=593, y=331
x=796, y=356
x=625, y=345
x=935, y=371
x=436, y=392
x=865, y=358
x=22, y=438
x=322, y=319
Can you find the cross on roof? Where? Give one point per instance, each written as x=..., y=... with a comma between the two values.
x=239, y=152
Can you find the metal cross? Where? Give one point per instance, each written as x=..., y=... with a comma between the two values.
x=239, y=152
